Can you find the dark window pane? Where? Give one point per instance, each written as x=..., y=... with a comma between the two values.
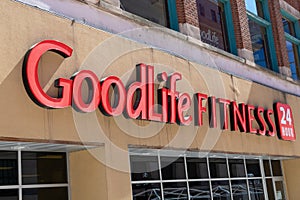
x=172, y=168
x=45, y=194
x=9, y=194
x=276, y=168
x=147, y=191
x=8, y=168
x=237, y=168
x=177, y=190
x=256, y=189
x=213, y=28
x=253, y=168
x=218, y=168
x=155, y=11
x=44, y=168
x=279, y=190
x=201, y=9
x=239, y=189
x=267, y=168
x=144, y=168
x=270, y=188
x=221, y=190
x=213, y=15
x=197, y=168
x=199, y=190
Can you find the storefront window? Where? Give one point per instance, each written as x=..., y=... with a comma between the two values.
x=197, y=168
x=175, y=190
x=172, y=169
x=239, y=189
x=276, y=168
x=200, y=190
x=43, y=176
x=267, y=168
x=144, y=168
x=280, y=195
x=253, y=168
x=256, y=189
x=45, y=193
x=218, y=168
x=43, y=168
x=261, y=34
x=292, y=46
x=237, y=168
x=162, y=12
x=12, y=194
x=149, y=191
x=216, y=176
x=8, y=168
x=270, y=188
x=221, y=190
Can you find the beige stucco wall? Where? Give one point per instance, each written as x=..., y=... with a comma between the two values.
x=23, y=26
x=291, y=176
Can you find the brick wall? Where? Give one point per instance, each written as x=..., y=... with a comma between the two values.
x=180, y=11
x=187, y=12
x=278, y=33
x=240, y=22
x=294, y=3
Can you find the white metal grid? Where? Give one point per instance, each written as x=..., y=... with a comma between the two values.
x=159, y=153
x=20, y=186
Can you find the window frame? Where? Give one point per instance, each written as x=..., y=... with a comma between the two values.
x=169, y=153
x=171, y=14
x=265, y=22
x=229, y=26
x=228, y=23
x=20, y=186
x=289, y=37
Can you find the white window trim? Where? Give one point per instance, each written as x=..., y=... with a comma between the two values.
x=185, y=154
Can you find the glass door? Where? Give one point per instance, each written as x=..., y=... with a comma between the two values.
x=279, y=189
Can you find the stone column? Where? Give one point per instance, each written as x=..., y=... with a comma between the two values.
x=188, y=18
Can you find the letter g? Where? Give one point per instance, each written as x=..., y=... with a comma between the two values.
x=30, y=75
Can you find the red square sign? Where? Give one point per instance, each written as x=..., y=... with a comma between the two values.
x=285, y=122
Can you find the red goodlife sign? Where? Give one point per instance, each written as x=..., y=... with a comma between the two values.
x=137, y=100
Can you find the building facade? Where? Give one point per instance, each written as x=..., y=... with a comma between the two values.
x=149, y=99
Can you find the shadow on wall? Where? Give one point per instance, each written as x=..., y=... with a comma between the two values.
x=20, y=116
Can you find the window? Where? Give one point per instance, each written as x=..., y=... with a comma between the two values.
x=216, y=27
x=162, y=12
x=213, y=15
x=255, y=7
x=261, y=34
x=214, y=176
x=201, y=10
x=33, y=175
x=291, y=26
x=274, y=179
